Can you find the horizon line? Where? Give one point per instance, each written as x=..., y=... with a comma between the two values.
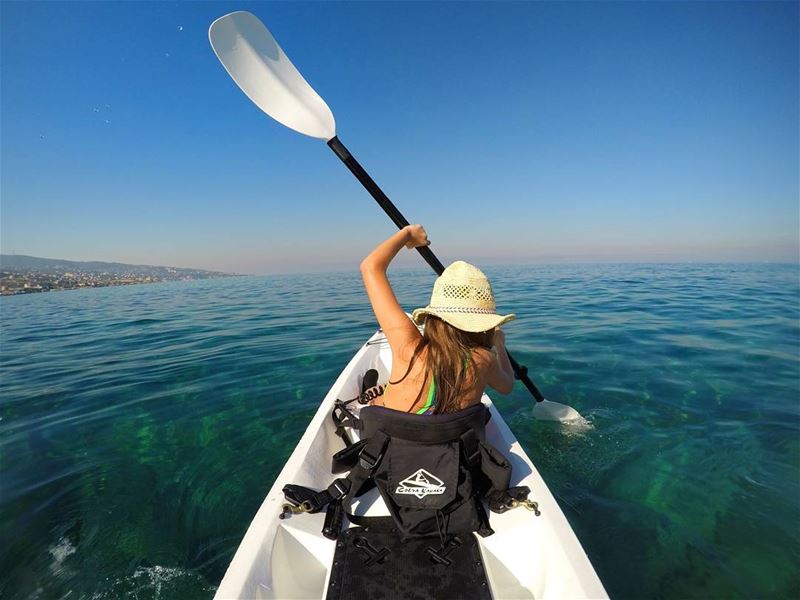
x=404, y=266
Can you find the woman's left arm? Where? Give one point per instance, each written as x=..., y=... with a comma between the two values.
x=391, y=317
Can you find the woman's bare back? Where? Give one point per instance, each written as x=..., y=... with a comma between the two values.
x=409, y=388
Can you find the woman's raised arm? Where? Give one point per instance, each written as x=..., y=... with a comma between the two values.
x=391, y=317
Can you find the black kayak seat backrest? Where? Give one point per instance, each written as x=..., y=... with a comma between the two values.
x=425, y=429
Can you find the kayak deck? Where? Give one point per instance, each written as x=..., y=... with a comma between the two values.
x=373, y=562
x=527, y=557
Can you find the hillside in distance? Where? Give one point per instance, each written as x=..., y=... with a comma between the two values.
x=21, y=274
x=22, y=263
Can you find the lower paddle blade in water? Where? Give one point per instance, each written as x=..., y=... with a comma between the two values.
x=555, y=411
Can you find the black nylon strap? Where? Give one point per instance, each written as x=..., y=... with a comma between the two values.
x=370, y=457
x=346, y=458
x=344, y=486
x=500, y=500
x=297, y=494
x=335, y=491
x=485, y=530
x=333, y=520
x=343, y=418
x=470, y=446
x=374, y=523
x=368, y=460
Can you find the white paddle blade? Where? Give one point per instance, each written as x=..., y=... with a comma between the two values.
x=255, y=61
x=555, y=411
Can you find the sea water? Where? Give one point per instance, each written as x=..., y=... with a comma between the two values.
x=141, y=426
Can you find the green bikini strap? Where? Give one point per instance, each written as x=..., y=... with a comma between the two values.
x=431, y=396
x=432, y=389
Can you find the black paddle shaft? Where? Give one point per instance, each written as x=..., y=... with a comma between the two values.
x=520, y=372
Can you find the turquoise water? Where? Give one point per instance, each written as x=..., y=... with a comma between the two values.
x=142, y=426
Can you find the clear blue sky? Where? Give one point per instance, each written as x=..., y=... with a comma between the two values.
x=515, y=132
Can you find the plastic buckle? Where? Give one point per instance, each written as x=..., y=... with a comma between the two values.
x=340, y=487
x=367, y=461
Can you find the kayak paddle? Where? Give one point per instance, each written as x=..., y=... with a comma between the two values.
x=258, y=65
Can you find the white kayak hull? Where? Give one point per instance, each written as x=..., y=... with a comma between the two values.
x=527, y=557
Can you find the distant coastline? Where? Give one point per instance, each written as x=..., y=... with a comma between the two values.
x=22, y=274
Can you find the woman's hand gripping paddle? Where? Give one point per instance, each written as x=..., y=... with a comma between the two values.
x=258, y=65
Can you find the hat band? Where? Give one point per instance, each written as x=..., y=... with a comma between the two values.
x=463, y=309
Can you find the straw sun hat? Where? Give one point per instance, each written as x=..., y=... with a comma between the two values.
x=462, y=297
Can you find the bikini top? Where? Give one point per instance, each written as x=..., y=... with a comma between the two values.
x=430, y=402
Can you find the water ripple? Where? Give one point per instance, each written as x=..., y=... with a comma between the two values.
x=141, y=426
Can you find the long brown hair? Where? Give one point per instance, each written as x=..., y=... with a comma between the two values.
x=448, y=357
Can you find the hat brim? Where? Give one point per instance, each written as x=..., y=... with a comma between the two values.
x=472, y=322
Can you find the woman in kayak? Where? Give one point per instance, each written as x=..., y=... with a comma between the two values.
x=462, y=349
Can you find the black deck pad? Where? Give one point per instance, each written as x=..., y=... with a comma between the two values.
x=376, y=565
